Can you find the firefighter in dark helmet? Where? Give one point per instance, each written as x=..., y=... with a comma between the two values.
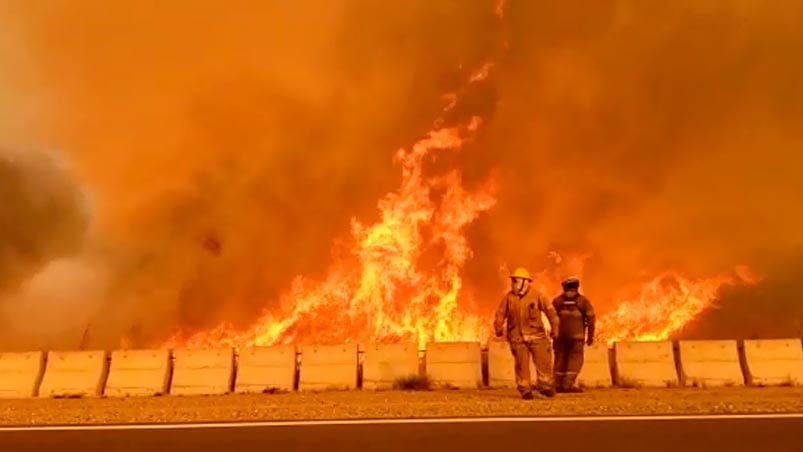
x=576, y=330
x=519, y=318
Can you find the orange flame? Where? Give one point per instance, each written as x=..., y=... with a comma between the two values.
x=401, y=279
x=647, y=312
x=664, y=305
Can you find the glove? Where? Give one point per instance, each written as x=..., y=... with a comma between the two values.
x=499, y=333
x=590, y=340
x=554, y=335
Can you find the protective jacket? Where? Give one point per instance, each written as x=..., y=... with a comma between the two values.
x=576, y=315
x=522, y=315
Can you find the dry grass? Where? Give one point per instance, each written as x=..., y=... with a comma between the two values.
x=701, y=384
x=273, y=390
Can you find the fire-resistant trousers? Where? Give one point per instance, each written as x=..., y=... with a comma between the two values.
x=568, y=361
x=538, y=351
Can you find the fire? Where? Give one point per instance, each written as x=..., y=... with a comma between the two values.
x=401, y=279
x=664, y=306
x=649, y=311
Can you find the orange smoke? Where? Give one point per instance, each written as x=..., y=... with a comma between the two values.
x=221, y=150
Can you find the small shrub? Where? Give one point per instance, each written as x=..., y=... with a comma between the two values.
x=413, y=383
x=627, y=383
x=274, y=390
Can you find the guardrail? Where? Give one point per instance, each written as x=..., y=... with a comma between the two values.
x=123, y=373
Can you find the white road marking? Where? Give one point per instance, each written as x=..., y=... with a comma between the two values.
x=347, y=422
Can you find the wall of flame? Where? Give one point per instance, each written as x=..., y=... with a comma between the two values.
x=232, y=162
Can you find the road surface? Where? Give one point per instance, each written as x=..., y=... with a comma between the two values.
x=632, y=434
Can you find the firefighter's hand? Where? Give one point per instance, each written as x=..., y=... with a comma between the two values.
x=590, y=340
x=554, y=335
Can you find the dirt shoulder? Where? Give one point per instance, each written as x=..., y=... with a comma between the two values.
x=397, y=404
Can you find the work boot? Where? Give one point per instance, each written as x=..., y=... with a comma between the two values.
x=527, y=396
x=548, y=392
x=560, y=389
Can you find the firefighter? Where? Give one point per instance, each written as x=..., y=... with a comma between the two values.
x=520, y=310
x=576, y=330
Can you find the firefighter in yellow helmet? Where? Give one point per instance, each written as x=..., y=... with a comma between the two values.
x=576, y=330
x=520, y=310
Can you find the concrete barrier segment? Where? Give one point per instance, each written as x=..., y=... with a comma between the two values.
x=138, y=373
x=21, y=374
x=75, y=374
x=202, y=372
x=328, y=367
x=266, y=369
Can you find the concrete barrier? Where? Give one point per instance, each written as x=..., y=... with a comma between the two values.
x=21, y=374
x=501, y=373
x=266, y=369
x=328, y=367
x=645, y=364
x=596, y=371
x=202, y=372
x=455, y=364
x=710, y=363
x=138, y=373
x=774, y=362
x=75, y=374
x=501, y=366
x=384, y=364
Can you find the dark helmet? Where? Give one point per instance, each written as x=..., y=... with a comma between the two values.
x=570, y=283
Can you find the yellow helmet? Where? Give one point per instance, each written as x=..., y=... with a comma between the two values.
x=521, y=272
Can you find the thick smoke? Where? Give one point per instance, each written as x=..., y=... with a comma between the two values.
x=43, y=218
x=771, y=309
x=228, y=147
x=43, y=215
x=654, y=135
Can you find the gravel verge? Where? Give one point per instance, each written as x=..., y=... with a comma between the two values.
x=397, y=404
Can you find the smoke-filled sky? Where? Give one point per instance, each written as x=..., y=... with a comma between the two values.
x=196, y=156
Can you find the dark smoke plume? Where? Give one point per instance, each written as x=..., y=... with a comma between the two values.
x=43, y=215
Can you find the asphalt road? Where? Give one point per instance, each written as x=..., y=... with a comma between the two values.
x=559, y=435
